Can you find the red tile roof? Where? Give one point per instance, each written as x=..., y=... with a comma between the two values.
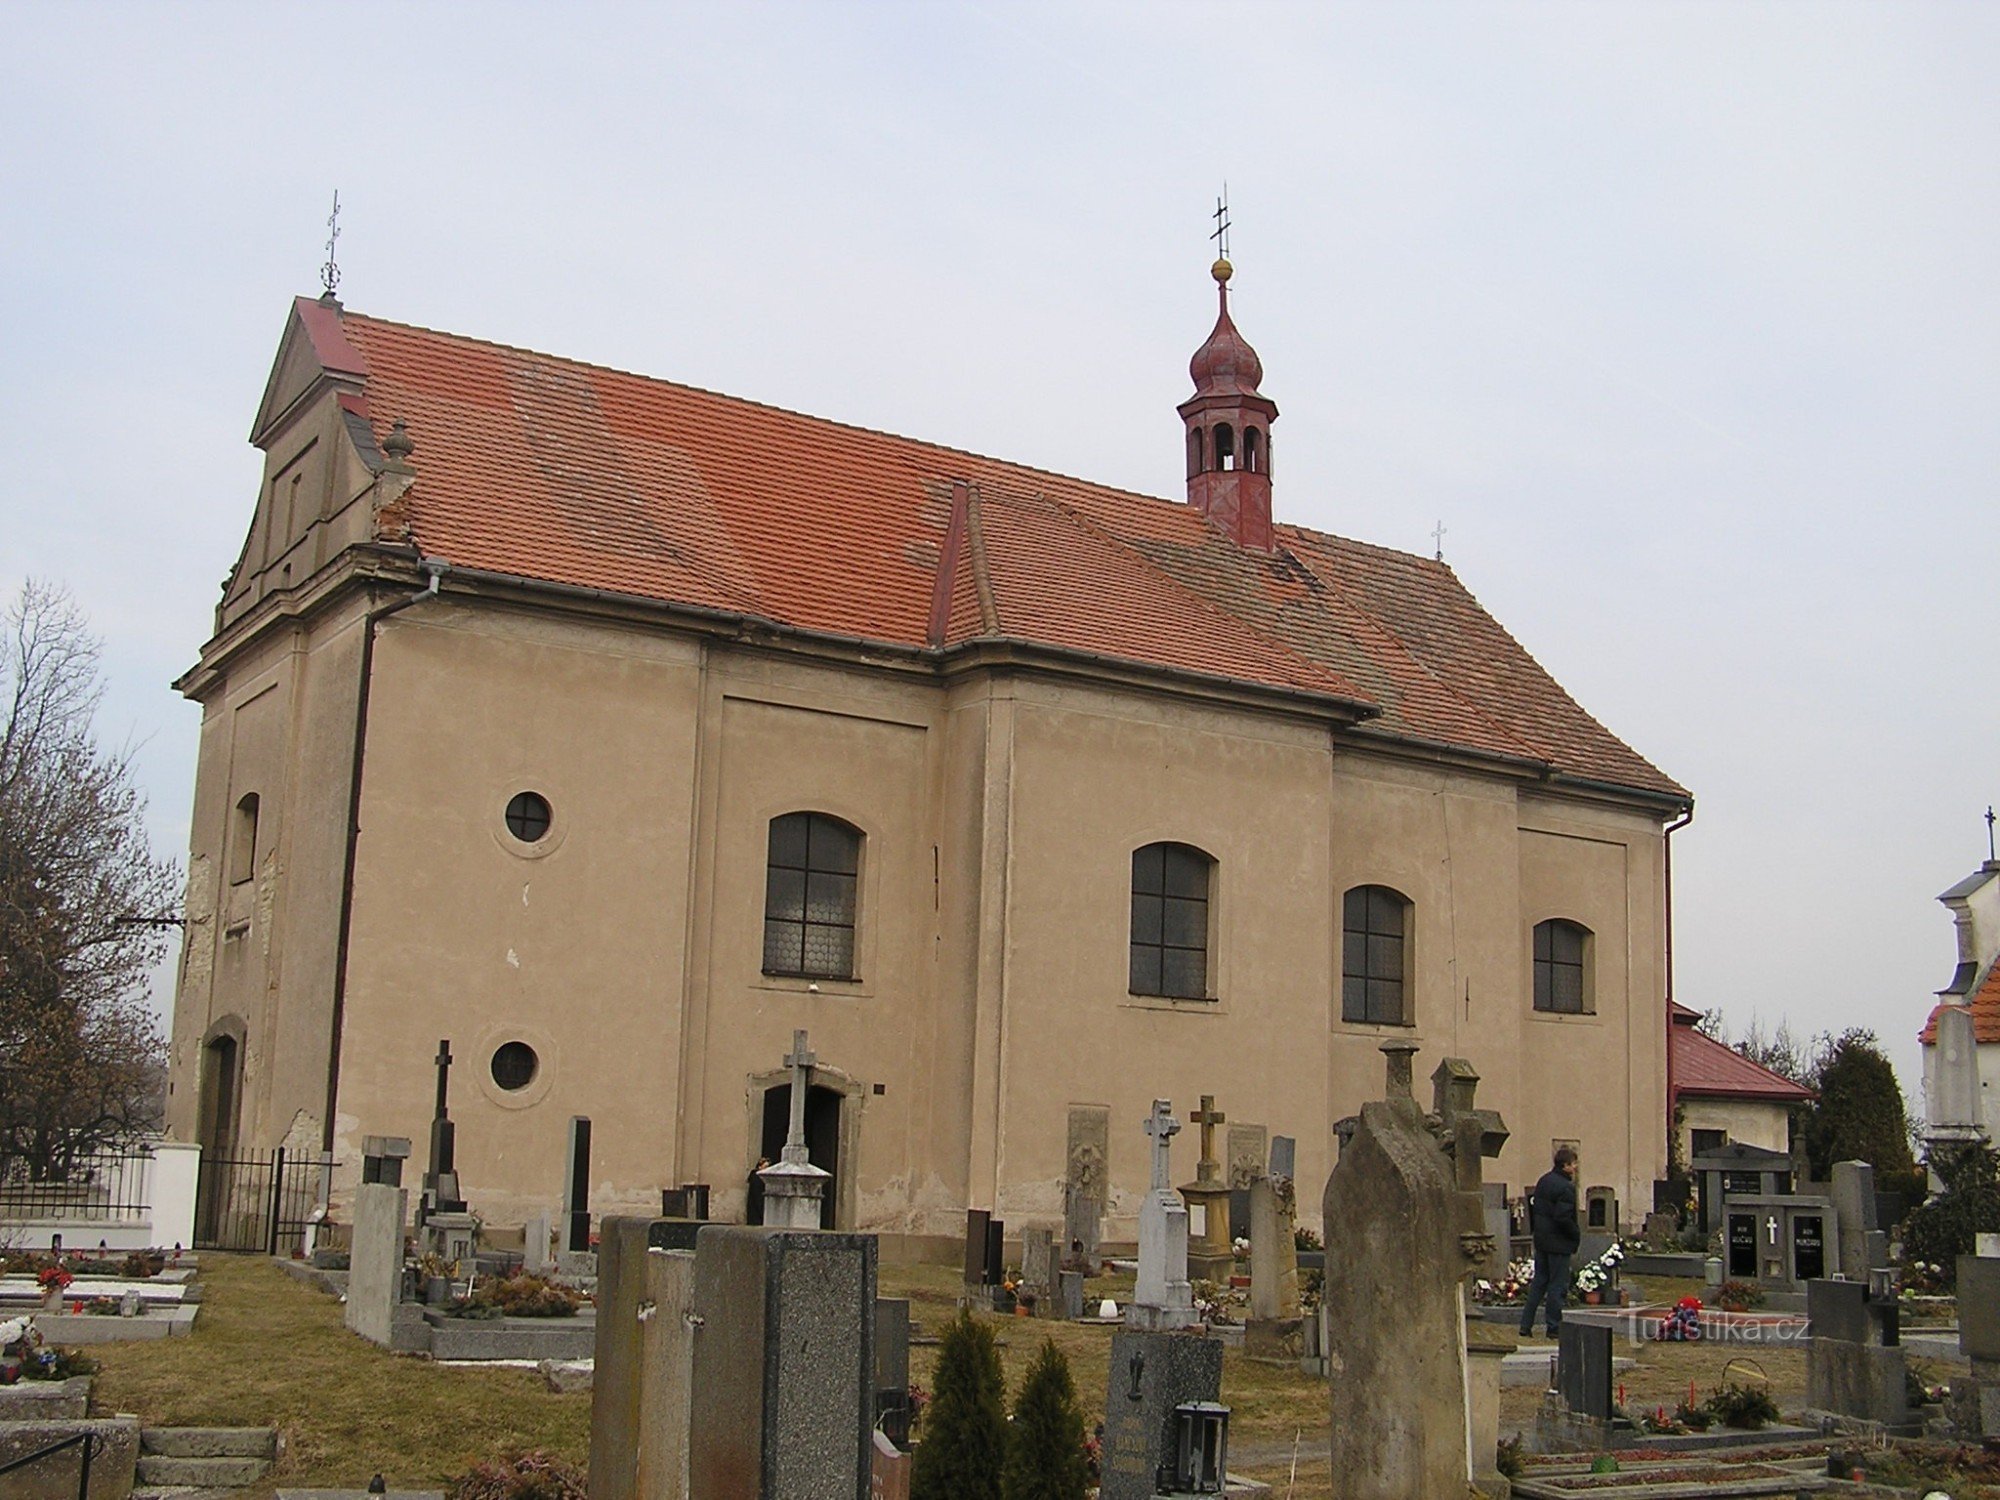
x=556, y=470
x=1705, y=1067
x=1985, y=1003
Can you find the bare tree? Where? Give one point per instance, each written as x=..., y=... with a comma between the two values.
x=79, y=1050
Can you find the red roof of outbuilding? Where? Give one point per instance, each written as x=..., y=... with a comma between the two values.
x=1985, y=1004
x=1704, y=1066
x=556, y=470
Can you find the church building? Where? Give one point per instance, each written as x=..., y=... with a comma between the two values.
x=614, y=730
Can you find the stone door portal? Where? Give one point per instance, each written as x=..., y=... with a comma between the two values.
x=822, y=1143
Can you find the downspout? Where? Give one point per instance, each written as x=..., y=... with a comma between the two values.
x=1667, y=875
x=436, y=567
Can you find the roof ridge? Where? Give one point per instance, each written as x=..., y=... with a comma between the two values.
x=786, y=411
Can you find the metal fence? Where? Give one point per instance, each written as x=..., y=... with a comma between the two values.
x=99, y=1187
x=262, y=1201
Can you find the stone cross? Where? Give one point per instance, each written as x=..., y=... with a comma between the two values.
x=800, y=1060
x=443, y=1061
x=1162, y=1127
x=793, y=1186
x=1208, y=1117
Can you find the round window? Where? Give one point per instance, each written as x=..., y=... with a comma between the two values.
x=528, y=816
x=514, y=1065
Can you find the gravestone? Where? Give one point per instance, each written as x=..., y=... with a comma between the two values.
x=1248, y=1148
x=375, y=1260
x=1162, y=1299
x=1038, y=1268
x=892, y=1368
x=1151, y=1374
x=1403, y=1230
x=688, y=1201
x=382, y=1158
x=794, y=1188
x=1085, y=1176
x=1854, y=1365
x=643, y=1363
x=1210, y=1255
x=1072, y=1293
x=536, y=1257
x=1274, y=1253
x=1976, y=1397
x=1863, y=1245
x=1600, y=1210
x=576, y=1186
x=1584, y=1368
x=1979, y=1308
x=784, y=1364
x=978, y=1247
x=441, y=1195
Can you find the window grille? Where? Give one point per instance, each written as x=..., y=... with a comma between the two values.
x=809, y=896
x=1374, y=943
x=1560, y=951
x=1170, y=921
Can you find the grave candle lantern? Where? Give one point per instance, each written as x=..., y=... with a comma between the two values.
x=1201, y=1449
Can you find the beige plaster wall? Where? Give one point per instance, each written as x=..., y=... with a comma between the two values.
x=259, y=945
x=575, y=945
x=1000, y=811
x=1754, y=1124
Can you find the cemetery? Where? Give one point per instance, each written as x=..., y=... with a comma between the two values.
x=657, y=1358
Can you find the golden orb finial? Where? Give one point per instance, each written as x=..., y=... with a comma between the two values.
x=1222, y=270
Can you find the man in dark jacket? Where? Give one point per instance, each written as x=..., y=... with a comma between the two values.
x=1552, y=1218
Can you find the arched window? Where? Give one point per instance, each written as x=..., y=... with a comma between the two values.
x=1562, y=968
x=243, y=839
x=1170, y=921
x=1225, y=446
x=809, y=896
x=1374, y=951
x=1252, y=458
x=1194, y=451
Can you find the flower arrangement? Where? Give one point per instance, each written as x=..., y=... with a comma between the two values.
x=1239, y=1248
x=1921, y=1278
x=1599, y=1274
x=1738, y=1296
x=1509, y=1288
x=1683, y=1324
x=54, y=1278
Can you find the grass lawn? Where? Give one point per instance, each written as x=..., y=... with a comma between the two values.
x=268, y=1351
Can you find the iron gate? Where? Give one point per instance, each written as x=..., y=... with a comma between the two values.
x=261, y=1202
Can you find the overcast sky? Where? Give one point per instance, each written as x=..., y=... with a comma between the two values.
x=1683, y=319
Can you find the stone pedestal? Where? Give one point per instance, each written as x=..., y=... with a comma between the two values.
x=1209, y=1251
x=784, y=1364
x=1487, y=1345
x=640, y=1387
x=793, y=1192
x=1162, y=1300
